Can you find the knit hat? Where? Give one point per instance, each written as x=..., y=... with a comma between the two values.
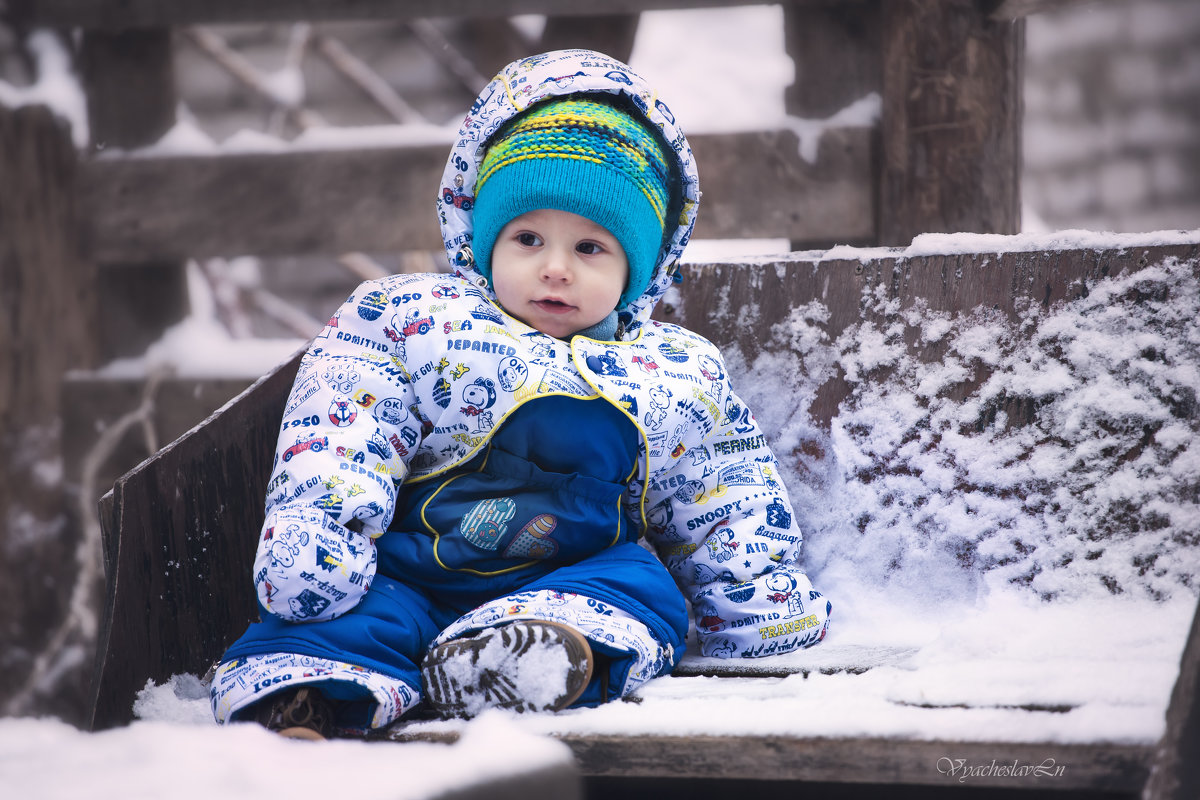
x=581, y=155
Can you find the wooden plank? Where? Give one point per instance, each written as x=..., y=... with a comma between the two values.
x=559, y=781
x=130, y=86
x=1106, y=767
x=41, y=275
x=757, y=185
x=714, y=293
x=46, y=326
x=179, y=585
x=118, y=14
x=1011, y=10
x=129, y=80
x=835, y=49
x=1176, y=769
x=335, y=201
x=776, y=760
x=383, y=199
x=951, y=122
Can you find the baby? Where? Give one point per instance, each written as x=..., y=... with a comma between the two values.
x=469, y=465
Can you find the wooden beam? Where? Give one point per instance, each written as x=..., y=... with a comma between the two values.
x=1176, y=770
x=129, y=78
x=1107, y=767
x=835, y=49
x=1012, y=10
x=47, y=325
x=606, y=32
x=120, y=14
x=371, y=200
x=757, y=185
x=951, y=123
x=383, y=199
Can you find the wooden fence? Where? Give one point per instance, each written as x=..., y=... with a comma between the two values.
x=944, y=155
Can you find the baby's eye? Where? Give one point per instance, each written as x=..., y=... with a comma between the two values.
x=528, y=239
x=588, y=248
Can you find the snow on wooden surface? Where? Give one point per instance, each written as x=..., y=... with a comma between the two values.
x=183, y=756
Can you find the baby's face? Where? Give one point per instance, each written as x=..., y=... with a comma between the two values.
x=558, y=272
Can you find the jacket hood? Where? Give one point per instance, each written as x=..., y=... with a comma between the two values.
x=531, y=80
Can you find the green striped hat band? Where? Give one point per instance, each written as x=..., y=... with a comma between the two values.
x=583, y=129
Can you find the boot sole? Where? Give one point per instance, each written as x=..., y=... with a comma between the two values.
x=500, y=668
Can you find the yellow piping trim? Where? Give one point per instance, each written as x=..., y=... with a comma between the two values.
x=437, y=536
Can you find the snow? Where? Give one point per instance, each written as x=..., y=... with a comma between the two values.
x=55, y=86
x=186, y=138
x=181, y=754
x=997, y=582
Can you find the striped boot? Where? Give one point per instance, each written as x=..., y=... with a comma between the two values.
x=529, y=665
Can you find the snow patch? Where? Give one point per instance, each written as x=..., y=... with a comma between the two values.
x=149, y=760
x=56, y=86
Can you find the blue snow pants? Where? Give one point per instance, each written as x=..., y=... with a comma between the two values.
x=538, y=509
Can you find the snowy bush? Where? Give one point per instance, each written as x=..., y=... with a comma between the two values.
x=1057, y=452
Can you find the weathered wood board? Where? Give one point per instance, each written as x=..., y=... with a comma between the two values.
x=156, y=13
x=1046, y=766
x=179, y=536
x=129, y=82
x=383, y=199
x=1115, y=768
x=46, y=327
x=951, y=121
x=1176, y=770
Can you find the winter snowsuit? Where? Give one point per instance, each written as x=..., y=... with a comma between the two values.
x=442, y=467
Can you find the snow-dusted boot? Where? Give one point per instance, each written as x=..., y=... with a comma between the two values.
x=529, y=665
x=302, y=713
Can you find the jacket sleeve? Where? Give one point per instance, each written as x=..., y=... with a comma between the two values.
x=344, y=444
x=722, y=523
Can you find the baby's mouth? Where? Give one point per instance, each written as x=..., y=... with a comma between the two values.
x=553, y=306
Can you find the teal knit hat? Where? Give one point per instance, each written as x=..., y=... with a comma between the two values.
x=581, y=155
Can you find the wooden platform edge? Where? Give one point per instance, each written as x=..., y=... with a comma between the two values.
x=165, y=611
x=1110, y=767
x=1175, y=774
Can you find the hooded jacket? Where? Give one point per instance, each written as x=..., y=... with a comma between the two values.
x=414, y=373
